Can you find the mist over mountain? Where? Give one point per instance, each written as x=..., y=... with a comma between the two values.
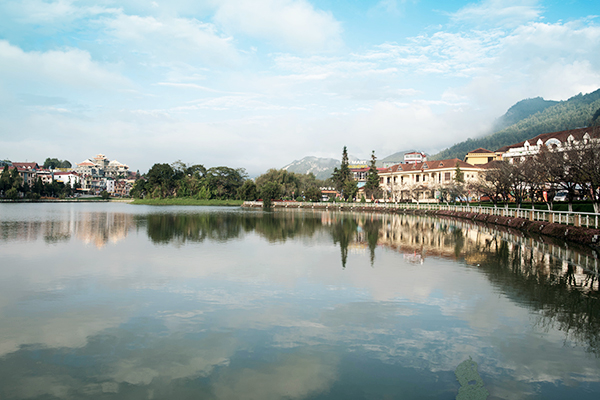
x=575, y=112
x=522, y=110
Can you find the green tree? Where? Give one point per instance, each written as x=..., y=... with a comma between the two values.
x=161, y=180
x=138, y=190
x=270, y=191
x=372, y=184
x=313, y=193
x=224, y=182
x=350, y=189
x=459, y=176
x=343, y=175
x=105, y=195
x=248, y=191
x=12, y=193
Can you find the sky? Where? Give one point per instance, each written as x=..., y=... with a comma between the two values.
x=257, y=84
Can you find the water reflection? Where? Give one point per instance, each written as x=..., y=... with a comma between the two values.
x=97, y=228
x=226, y=304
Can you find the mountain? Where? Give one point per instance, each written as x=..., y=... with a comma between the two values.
x=522, y=110
x=573, y=113
x=322, y=168
x=396, y=157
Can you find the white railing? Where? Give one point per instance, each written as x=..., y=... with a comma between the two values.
x=590, y=220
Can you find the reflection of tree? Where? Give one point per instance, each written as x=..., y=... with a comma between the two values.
x=166, y=228
x=372, y=226
x=343, y=231
x=566, y=300
x=277, y=227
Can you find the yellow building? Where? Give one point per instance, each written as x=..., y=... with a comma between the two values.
x=480, y=156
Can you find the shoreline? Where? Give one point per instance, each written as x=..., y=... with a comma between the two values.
x=569, y=233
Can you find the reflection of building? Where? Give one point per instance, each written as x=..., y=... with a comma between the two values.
x=420, y=237
x=96, y=228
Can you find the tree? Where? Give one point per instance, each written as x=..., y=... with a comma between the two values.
x=372, y=184
x=457, y=190
x=53, y=163
x=341, y=175
x=270, y=191
x=313, y=193
x=248, y=191
x=105, y=195
x=161, y=180
x=224, y=182
x=350, y=189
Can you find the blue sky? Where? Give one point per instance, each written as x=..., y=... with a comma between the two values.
x=260, y=83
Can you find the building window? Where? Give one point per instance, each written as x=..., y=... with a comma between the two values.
x=447, y=176
x=416, y=178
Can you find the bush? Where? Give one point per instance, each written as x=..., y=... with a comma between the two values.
x=299, y=198
x=105, y=195
x=12, y=194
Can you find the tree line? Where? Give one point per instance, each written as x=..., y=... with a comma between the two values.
x=224, y=183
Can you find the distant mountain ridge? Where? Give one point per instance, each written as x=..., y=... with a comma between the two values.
x=322, y=168
x=575, y=112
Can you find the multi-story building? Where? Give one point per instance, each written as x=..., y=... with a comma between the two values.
x=481, y=156
x=27, y=171
x=562, y=140
x=70, y=178
x=102, y=166
x=424, y=181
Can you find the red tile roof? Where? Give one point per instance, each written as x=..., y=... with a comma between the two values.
x=431, y=165
x=26, y=165
x=481, y=150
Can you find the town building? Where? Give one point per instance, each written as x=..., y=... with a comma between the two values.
x=562, y=140
x=480, y=156
x=414, y=157
x=102, y=166
x=68, y=178
x=27, y=171
x=424, y=181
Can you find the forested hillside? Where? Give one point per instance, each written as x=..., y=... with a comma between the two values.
x=522, y=110
x=570, y=114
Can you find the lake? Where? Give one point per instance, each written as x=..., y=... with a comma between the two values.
x=115, y=301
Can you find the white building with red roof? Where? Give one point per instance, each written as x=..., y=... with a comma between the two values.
x=423, y=181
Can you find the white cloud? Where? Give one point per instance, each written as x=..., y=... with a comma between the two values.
x=70, y=67
x=506, y=13
x=293, y=24
x=170, y=40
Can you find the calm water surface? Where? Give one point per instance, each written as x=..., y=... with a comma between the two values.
x=114, y=301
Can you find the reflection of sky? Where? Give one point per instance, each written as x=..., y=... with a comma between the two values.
x=255, y=319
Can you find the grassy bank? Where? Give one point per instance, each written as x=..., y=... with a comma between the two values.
x=187, y=201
